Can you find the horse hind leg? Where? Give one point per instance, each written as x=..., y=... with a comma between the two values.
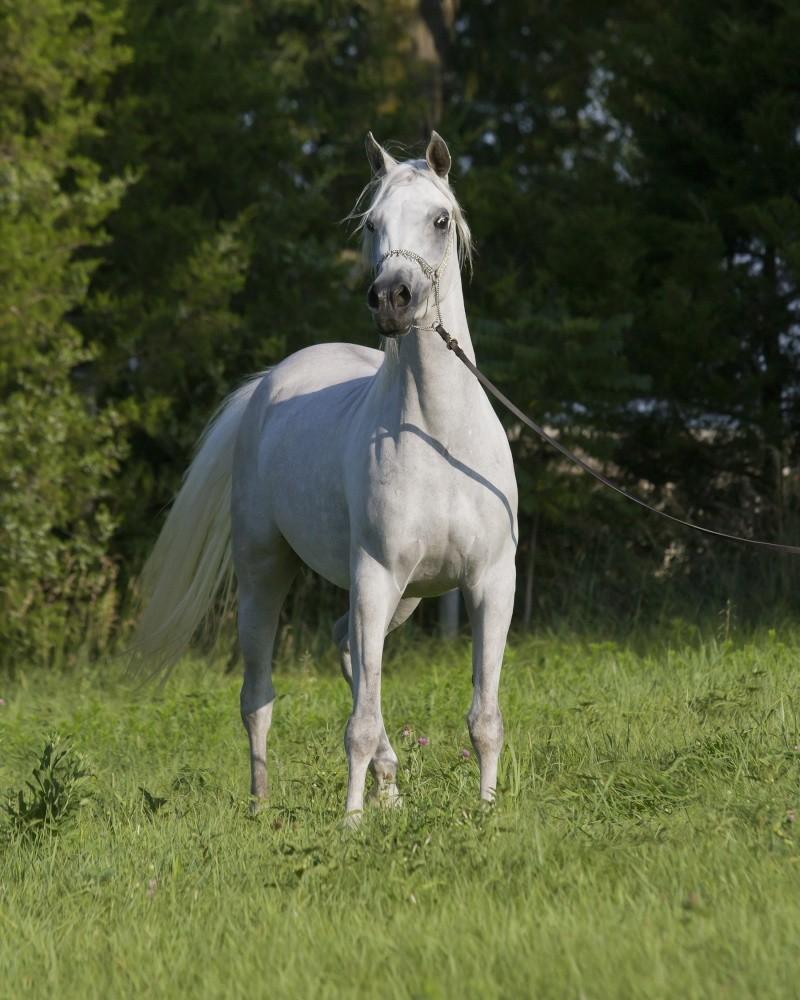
x=384, y=764
x=263, y=586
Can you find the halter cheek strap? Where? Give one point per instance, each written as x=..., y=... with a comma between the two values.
x=431, y=273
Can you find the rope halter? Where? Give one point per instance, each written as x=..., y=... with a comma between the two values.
x=431, y=273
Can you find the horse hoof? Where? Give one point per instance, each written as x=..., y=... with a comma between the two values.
x=387, y=797
x=256, y=804
x=352, y=820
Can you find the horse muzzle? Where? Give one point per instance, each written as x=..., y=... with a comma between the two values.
x=391, y=301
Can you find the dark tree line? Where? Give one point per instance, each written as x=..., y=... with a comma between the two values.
x=172, y=180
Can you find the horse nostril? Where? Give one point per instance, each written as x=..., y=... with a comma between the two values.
x=372, y=298
x=401, y=296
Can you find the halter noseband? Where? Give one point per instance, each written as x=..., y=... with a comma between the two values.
x=431, y=273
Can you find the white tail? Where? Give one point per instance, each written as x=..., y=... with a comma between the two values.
x=191, y=565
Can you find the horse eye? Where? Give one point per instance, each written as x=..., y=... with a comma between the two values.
x=370, y=226
x=441, y=222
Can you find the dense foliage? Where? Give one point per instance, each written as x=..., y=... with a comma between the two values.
x=173, y=180
x=59, y=450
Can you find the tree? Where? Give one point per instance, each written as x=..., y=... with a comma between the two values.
x=534, y=155
x=631, y=175
x=243, y=125
x=57, y=448
x=711, y=98
x=708, y=102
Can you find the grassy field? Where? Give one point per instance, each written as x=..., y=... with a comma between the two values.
x=644, y=844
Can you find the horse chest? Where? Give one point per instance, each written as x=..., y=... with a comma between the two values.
x=436, y=512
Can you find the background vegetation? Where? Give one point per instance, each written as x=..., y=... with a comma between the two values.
x=172, y=176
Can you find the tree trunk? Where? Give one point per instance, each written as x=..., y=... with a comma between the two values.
x=431, y=32
x=527, y=611
x=449, y=613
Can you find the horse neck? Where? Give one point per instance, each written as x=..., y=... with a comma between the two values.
x=424, y=382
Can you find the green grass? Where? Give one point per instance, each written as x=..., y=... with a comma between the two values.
x=644, y=843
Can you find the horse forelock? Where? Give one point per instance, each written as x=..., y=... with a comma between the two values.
x=406, y=173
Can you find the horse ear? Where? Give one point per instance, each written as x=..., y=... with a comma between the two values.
x=380, y=161
x=438, y=155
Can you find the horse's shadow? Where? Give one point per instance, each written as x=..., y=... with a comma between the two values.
x=454, y=463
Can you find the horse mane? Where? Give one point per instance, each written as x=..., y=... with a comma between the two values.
x=404, y=173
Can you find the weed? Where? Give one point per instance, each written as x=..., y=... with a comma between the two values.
x=151, y=803
x=58, y=787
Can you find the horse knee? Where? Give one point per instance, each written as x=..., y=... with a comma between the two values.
x=486, y=730
x=362, y=735
x=257, y=719
x=257, y=694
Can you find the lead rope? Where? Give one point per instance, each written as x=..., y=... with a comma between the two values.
x=452, y=345
x=433, y=273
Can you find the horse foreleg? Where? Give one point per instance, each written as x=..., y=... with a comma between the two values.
x=373, y=599
x=384, y=764
x=489, y=605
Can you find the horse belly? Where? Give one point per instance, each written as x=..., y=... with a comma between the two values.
x=293, y=483
x=310, y=512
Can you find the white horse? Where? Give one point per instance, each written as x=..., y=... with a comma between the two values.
x=387, y=472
